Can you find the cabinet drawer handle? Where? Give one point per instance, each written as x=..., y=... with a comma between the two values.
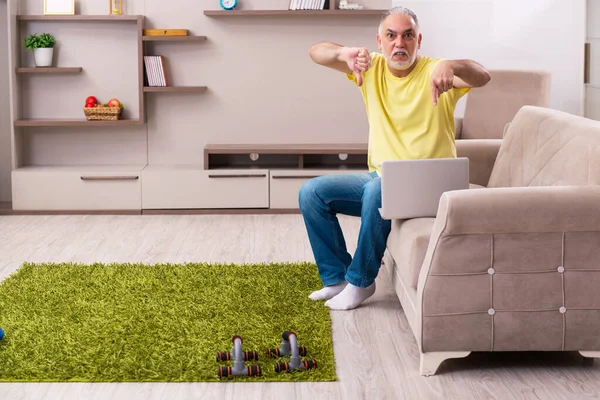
x=110, y=178
x=295, y=176
x=238, y=176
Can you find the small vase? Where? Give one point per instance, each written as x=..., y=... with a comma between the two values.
x=43, y=57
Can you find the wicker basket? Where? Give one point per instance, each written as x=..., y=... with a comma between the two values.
x=103, y=113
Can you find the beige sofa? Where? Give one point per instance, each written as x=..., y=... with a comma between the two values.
x=514, y=266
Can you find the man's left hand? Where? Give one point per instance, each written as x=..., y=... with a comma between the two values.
x=442, y=80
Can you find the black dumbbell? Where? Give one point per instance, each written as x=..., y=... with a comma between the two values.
x=251, y=370
x=246, y=355
x=288, y=366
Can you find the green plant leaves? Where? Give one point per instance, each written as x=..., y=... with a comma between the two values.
x=39, y=41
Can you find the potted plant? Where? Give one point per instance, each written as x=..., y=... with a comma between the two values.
x=43, y=48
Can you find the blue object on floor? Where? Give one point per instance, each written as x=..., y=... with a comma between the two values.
x=1, y=334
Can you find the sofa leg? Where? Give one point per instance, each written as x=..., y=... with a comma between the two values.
x=430, y=362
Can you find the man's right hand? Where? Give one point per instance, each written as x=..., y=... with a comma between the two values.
x=358, y=60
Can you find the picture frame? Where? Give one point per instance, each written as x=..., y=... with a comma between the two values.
x=59, y=7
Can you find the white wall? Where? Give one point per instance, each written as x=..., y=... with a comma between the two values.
x=5, y=191
x=593, y=18
x=511, y=34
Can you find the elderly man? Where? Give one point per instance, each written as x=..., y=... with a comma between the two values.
x=410, y=102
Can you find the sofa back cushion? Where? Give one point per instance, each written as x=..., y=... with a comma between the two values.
x=546, y=147
x=489, y=108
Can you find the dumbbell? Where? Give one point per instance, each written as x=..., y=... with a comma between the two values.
x=289, y=366
x=295, y=362
x=246, y=356
x=250, y=370
x=285, y=349
x=238, y=364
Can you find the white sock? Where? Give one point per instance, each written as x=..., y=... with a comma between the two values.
x=351, y=297
x=328, y=291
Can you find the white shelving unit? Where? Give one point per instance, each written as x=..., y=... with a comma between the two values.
x=151, y=160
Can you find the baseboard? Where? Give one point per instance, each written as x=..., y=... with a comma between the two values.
x=219, y=211
x=6, y=209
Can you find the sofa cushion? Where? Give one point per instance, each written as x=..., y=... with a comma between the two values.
x=546, y=147
x=491, y=107
x=407, y=244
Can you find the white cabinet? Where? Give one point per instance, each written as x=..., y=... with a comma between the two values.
x=181, y=187
x=231, y=180
x=287, y=165
x=77, y=188
x=592, y=102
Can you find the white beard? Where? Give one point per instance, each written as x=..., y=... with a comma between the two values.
x=402, y=65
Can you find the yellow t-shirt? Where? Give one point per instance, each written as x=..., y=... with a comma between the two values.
x=404, y=123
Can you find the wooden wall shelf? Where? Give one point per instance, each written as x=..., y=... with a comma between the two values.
x=49, y=70
x=174, y=89
x=100, y=18
x=74, y=122
x=315, y=148
x=173, y=38
x=290, y=13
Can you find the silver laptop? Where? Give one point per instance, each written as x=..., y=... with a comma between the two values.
x=412, y=188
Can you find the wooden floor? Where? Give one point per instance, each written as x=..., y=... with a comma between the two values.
x=375, y=350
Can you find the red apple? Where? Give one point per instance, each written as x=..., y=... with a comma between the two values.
x=91, y=100
x=114, y=103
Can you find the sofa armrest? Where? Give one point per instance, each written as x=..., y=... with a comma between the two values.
x=512, y=269
x=458, y=122
x=520, y=209
x=482, y=155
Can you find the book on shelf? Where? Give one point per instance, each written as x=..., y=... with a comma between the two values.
x=156, y=74
x=309, y=4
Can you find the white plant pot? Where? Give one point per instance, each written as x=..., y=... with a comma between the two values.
x=43, y=57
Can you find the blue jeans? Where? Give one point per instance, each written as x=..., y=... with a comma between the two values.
x=359, y=195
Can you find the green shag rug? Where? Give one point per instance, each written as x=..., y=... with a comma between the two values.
x=68, y=322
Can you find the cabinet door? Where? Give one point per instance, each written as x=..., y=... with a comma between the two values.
x=48, y=188
x=188, y=187
x=592, y=102
x=285, y=185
